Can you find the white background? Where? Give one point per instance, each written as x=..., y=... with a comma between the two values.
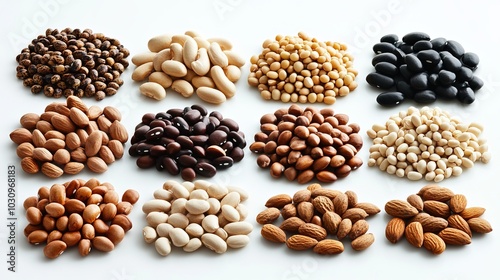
x=247, y=24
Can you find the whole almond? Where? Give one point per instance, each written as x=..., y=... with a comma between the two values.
x=416, y=201
x=78, y=117
x=273, y=233
x=329, y=247
x=118, y=131
x=301, y=195
x=268, y=216
x=453, y=236
x=331, y=221
x=300, y=242
x=304, y=162
x=354, y=214
x=288, y=211
x=400, y=209
x=93, y=143
x=437, y=193
x=278, y=201
x=62, y=156
x=313, y=230
x=472, y=212
x=305, y=211
x=370, y=208
x=322, y=204
x=363, y=242
x=344, y=228
x=97, y=165
x=358, y=228
x=29, y=120
x=72, y=141
x=458, y=203
x=331, y=194
x=433, y=243
x=51, y=170
x=62, y=123
x=352, y=198
x=456, y=221
x=112, y=113
x=94, y=112
x=21, y=135
x=433, y=224
x=106, y=154
x=437, y=208
x=73, y=167
x=74, y=101
x=54, y=144
x=292, y=224
x=54, y=249
x=103, y=244
x=479, y=225
x=414, y=234
x=38, y=138
x=395, y=229
x=340, y=203
x=116, y=147
x=25, y=150
x=42, y=154
x=29, y=165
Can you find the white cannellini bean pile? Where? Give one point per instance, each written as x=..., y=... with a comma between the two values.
x=426, y=143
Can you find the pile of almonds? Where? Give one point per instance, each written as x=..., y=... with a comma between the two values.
x=426, y=143
x=190, y=215
x=306, y=144
x=302, y=69
x=434, y=218
x=86, y=214
x=188, y=63
x=68, y=136
x=314, y=213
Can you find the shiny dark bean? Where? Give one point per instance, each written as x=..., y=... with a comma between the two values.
x=147, y=118
x=132, y=151
x=384, y=57
x=400, y=55
x=379, y=80
x=184, y=142
x=163, y=116
x=217, y=137
x=164, y=141
x=390, y=98
x=199, y=128
x=386, y=68
x=159, y=163
x=425, y=96
x=173, y=148
x=455, y=48
x=223, y=162
x=203, y=111
x=140, y=133
x=237, y=154
x=143, y=149
x=383, y=47
x=188, y=174
x=223, y=128
x=429, y=57
x=170, y=165
x=451, y=63
x=389, y=38
x=214, y=151
x=158, y=123
x=198, y=152
x=230, y=123
x=422, y=45
x=181, y=124
x=145, y=162
x=205, y=169
x=446, y=92
x=405, y=89
x=464, y=74
x=438, y=43
x=228, y=146
x=466, y=95
x=175, y=112
x=433, y=80
x=158, y=150
x=154, y=133
x=187, y=161
x=171, y=131
x=405, y=73
x=199, y=140
x=237, y=139
x=470, y=60
x=192, y=116
x=446, y=78
x=217, y=115
x=405, y=48
x=475, y=83
x=413, y=37
x=414, y=64
x=419, y=81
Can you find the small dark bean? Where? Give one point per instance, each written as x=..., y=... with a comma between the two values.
x=187, y=161
x=237, y=139
x=413, y=37
x=157, y=151
x=173, y=148
x=237, y=154
x=414, y=64
x=143, y=148
x=145, y=162
x=419, y=81
x=205, y=169
x=455, y=48
x=446, y=78
x=389, y=38
x=464, y=74
x=425, y=96
x=466, y=95
x=230, y=123
x=159, y=123
x=470, y=60
x=199, y=140
x=429, y=57
x=163, y=116
x=217, y=115
x=475, y=83
x=170, y=165
x=201, y=109
x=451, y=63
x=386, y=68
x=383, y=47
x=390, y=98
x=192, y=116
x=175, y=112
x=446, y=92
x=384, y=57
x=199, y=128
x=188, y=174
x=422, y=45
x=400, y=55
x=438, y=44
x=171, y=131
x=223, y=162
x=379, y=80
x=217, y=137
x=154, y=133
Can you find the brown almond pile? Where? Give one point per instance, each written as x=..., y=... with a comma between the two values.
x=318, y=218
x=433, y=218
x=69, y=135
x=78, y=213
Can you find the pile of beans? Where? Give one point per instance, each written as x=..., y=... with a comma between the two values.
x=86, y=214
x=190, y=215
x=68, y=136
x=303, y=144
x=434, y=218
x=422, y=69
x=313, y=214
x=189, y=141
x=73, y=62
x=302, y=69
x=426, y=143
x=188, y=63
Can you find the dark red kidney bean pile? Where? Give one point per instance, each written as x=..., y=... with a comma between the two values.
x=189, y=141
x=423, y=69
x=306, y=144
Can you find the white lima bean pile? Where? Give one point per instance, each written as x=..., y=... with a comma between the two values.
x=302, y=69
x=188, y=63
x=426, y=143
x=190, y=215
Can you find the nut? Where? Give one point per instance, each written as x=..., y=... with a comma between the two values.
x=300, y=242
x=273, y=233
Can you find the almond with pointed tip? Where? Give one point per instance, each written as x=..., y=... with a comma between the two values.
x=300, y=242
x=395, y=229
x=433, y=243
x=273, y=233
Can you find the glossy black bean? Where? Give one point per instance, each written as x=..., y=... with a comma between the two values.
x=217, y=115
x=159, y=163
x=383, y=47
x=237, y=138
x=218, y=137
x=163, y=116
x=413, y=37
x=237, y=154
x=422, y=45
x=451, y=63
x=157, y=123
x=192, y=116
x=133, y=139
x=438, y=44
x=175, y=112
x=400, y=56
x=446, y=92
x=466, y=95
x=419, y=81
x=188, y=174
x=464, y=74
x=158, y=150
x=386, y=68
x=455, y=48
x=384, y=57
x=425, y=96
x=378, y=80
x=143, y=149
x=199, y=140
x=173, y=148
x=203, y=111
x=405, y=48
x=435, y=68
x=230, y=123
x=154, y=133
x=223, y=162
x=182, y=152
x=181, y=124
x=475, y=83
x=187, y=161
x=470, y=60
x=432, y=80
x=205, y=169
x=170, y=165
x=405, y=89
x=185, y=142
x=199, y=128
x=405, y=73
x=389, y=38
x=446, y=78
x=414, y=64
x=390, y=98
x=198, y=152
x=145, y=162
x=147, y=118
x=429, y=57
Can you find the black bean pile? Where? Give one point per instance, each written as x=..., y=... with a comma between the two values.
x=73, y=62
x=423, y=69
x=189, y=141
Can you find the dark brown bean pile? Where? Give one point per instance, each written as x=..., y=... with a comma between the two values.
x=189, y=141
x=304, y=144
x=73, y=62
